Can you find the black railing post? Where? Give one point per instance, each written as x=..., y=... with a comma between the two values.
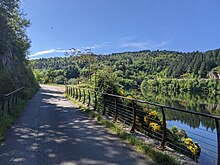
x=88, y=98
x=218, y=139
x=76, y=95
x=3, y=103
x=116, y=110
x=84, y=96
x=73, y=92
x=104, y=108
x=67, y=90
x=79, y=94
x=17, y=96
x=132, y=130
x=95, y=106
x=70, y=91
x=164, y=136
x=13, y=99
x=8, y=98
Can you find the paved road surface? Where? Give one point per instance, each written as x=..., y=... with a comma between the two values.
x=51, y=130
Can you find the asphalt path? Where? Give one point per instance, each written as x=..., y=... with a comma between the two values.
x=51, y=130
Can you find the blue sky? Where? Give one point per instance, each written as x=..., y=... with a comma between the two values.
x=108, y=26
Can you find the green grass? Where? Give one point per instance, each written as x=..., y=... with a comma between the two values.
x=52, y=84
x=139, y=145
x=7, y=120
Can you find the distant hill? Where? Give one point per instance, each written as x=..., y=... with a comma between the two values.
x=132, y=67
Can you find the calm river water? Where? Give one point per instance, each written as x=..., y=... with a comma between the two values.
x=200, y=129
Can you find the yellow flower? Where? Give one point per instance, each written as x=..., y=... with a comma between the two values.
x=145, y=119
x=153, y=114
x=188, y=141
x=154, y=126
x=121, y=92
x=129, y=97
x=194, y=149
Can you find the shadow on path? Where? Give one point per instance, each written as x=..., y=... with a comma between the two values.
x=52, y=131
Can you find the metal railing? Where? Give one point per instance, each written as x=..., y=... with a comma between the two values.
x=9, y=100
x=131, y=112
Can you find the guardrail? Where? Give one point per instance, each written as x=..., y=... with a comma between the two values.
x=9, y=100
x=152, y=121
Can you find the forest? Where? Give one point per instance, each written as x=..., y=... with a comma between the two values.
x=192, y=71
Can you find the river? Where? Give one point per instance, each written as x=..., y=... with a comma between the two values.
x=200, y=129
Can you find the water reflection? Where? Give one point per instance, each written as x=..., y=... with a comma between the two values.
x=206, y=138
x=200, y=129
x=204, y=103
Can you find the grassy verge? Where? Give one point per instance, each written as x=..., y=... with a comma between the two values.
x=7, y=120
x=138, y=144
x=51, y=84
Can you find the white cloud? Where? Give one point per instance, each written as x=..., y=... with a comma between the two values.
x=49, y=52
x=139, y=45
x=101, y=45
x=134, y=43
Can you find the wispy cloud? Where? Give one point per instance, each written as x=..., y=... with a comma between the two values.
x=49, y=52
x=139, y=45
x=96, y=46
x=132, y=42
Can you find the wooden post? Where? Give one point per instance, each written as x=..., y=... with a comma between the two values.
x=132, y=130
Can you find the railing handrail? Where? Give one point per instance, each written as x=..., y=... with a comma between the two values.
x=15, y=91
x=73, y=91
x=156, y=104
x=165, y=106
x=10, y=98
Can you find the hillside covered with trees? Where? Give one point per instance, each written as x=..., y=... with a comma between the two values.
x=131, y=68
x=14, y=44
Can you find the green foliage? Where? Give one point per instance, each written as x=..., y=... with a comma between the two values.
x=107, y=81
x=13, y=25
x=186, y=85
x=132, y=68
x=14, y=44
x=6, y=120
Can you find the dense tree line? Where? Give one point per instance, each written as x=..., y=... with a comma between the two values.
x=186, y=85
x=130, y=67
